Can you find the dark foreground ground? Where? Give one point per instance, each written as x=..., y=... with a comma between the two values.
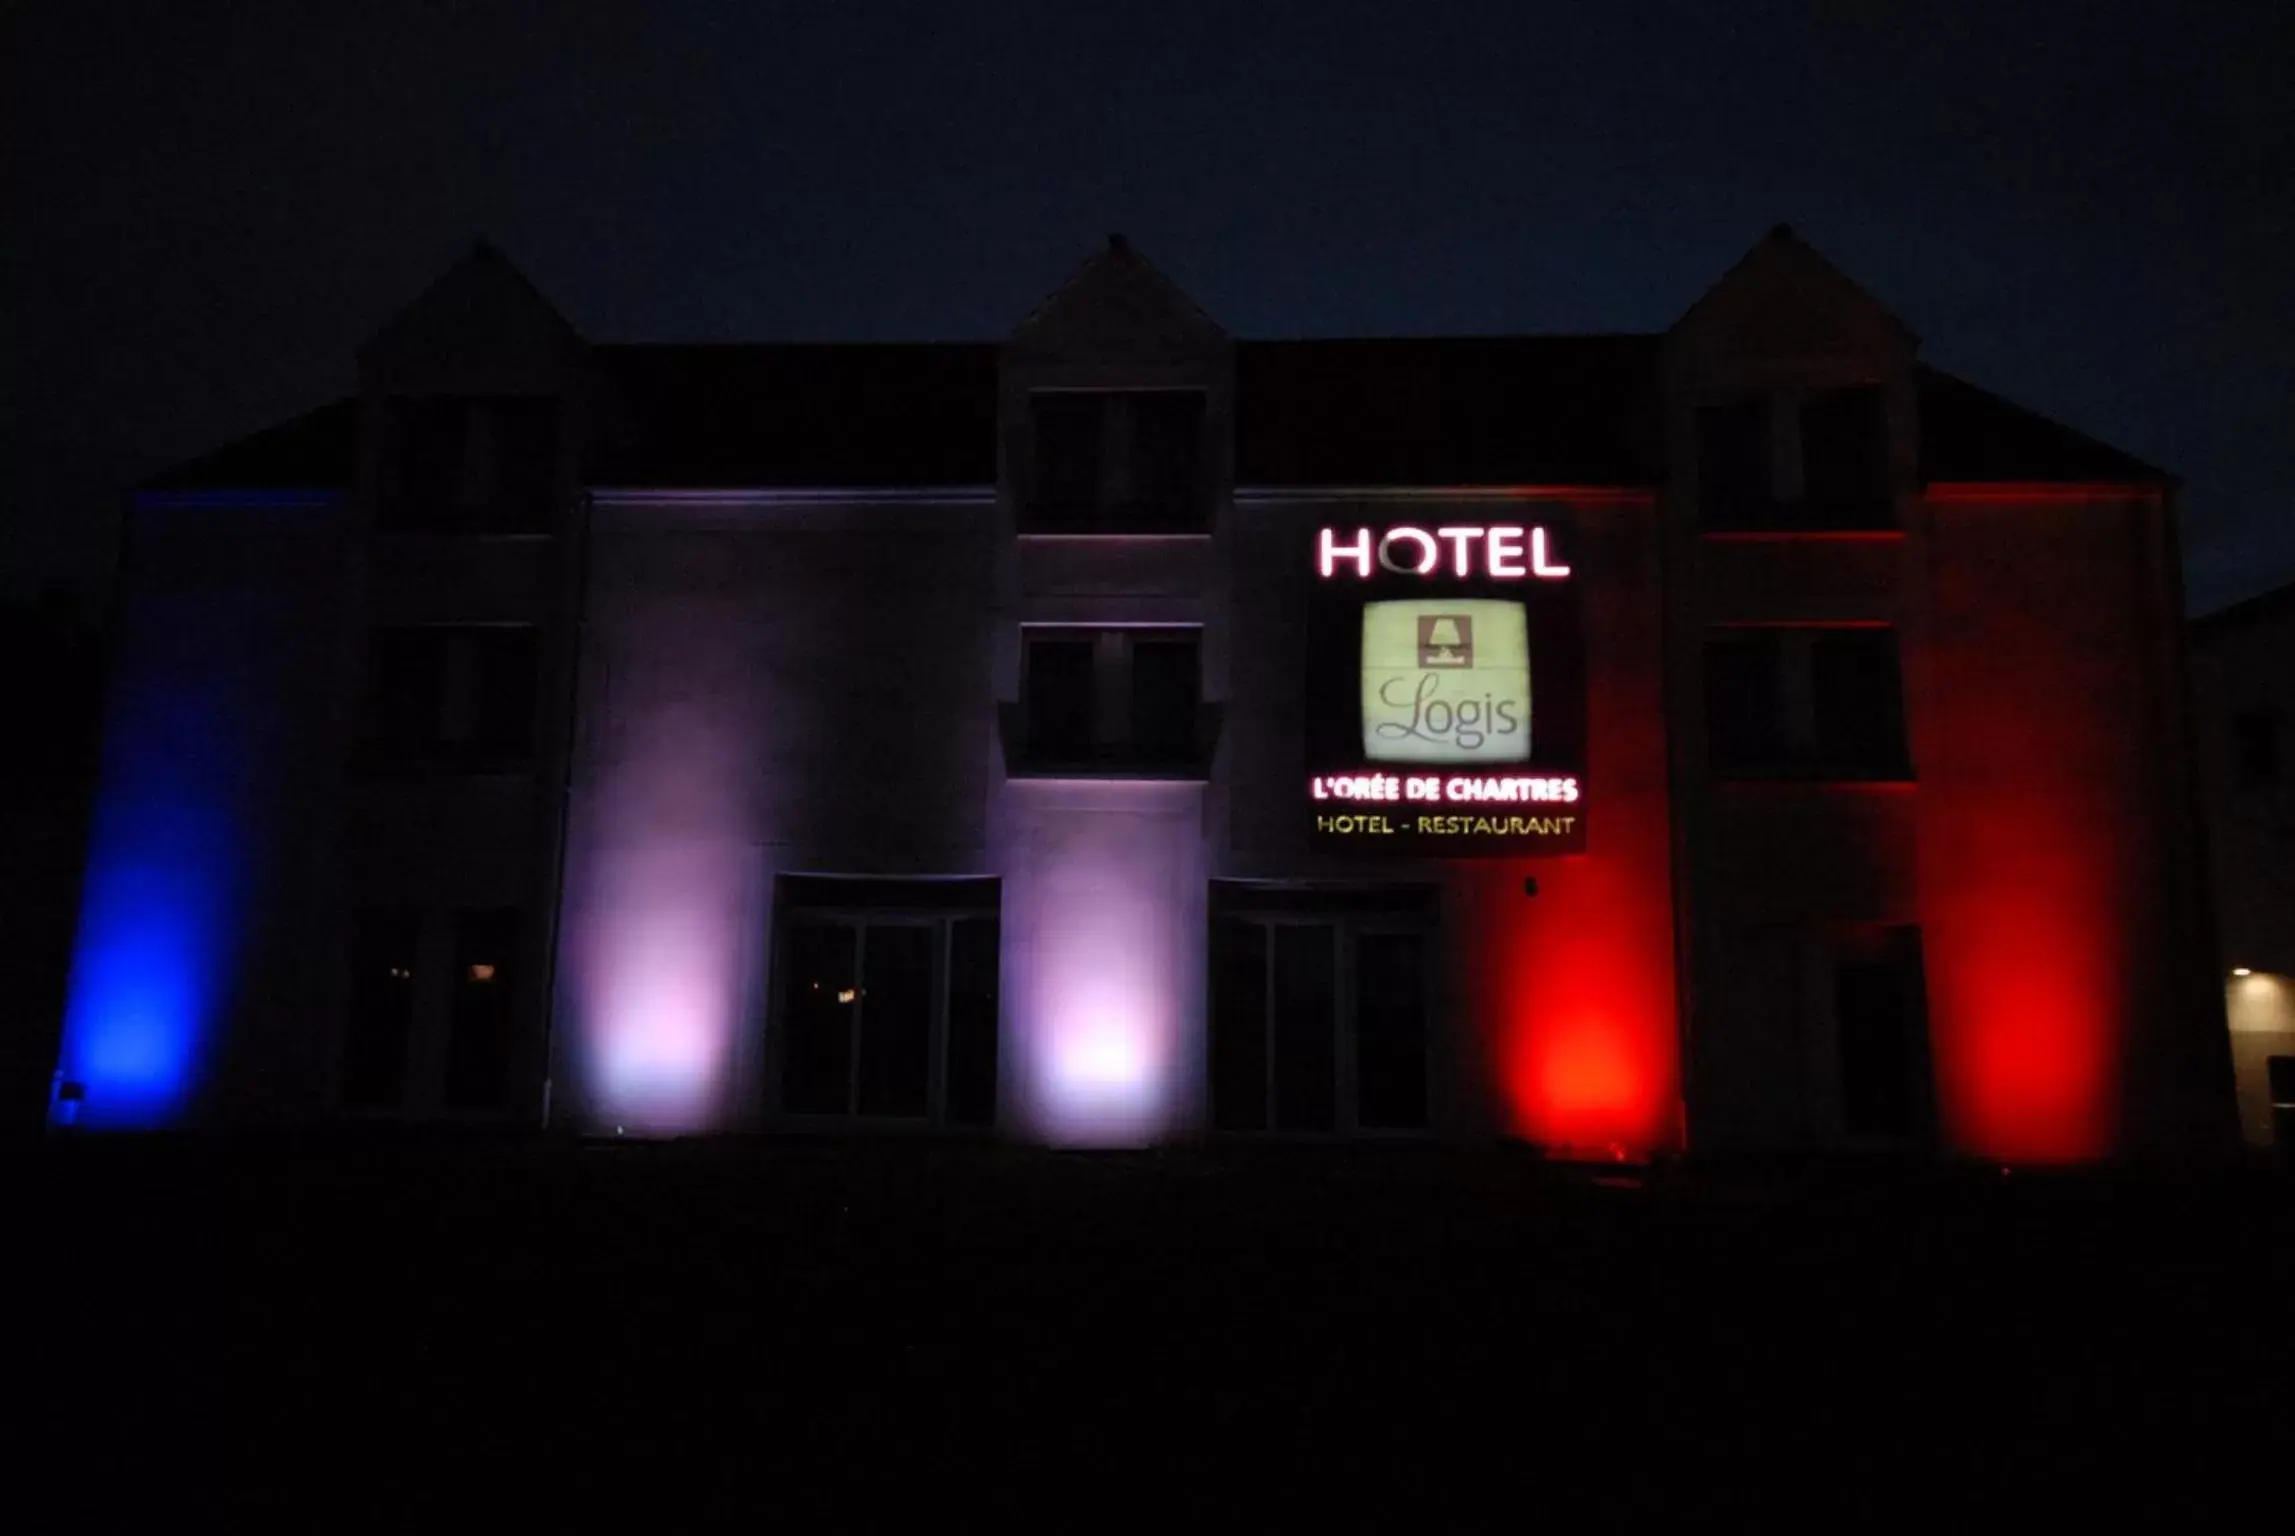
x=551, y=1336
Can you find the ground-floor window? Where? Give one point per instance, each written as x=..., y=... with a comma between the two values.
x=1319, y=1007
x=1879, y=1034
x=383, y=960
x=1814, y=1034
x=886, y=999
x=431, y=1011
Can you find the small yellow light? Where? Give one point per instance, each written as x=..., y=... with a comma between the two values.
x=482, y=972
x=2241, y=970
x=846, y=996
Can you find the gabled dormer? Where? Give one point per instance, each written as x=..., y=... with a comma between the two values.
x=468, y=397
x=1117, y=406
x=1790, y=399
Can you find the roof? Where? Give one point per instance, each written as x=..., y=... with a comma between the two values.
x=310, y=452
x=866, y=415
x=1972, y=435
x=2278, y=604
x=1501, y=410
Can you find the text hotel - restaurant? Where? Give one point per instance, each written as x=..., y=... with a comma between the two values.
x=1745, y=737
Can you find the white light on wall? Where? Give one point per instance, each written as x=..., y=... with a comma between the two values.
x=2241, y=970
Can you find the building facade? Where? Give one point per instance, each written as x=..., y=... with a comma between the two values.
x=2244, y=687
x=1739, y=738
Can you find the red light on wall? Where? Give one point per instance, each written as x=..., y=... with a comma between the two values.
x=1586, y=1077
x=2027, y=998
x=2039, y=806
x=1575, y=993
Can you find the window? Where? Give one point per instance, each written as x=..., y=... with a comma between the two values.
x=417, y=1041
x=1745, y=715
x=1817, y=461
x=473, y=466
x=2255, y=748
x=1167, y=687
x=1880, y=1035
x=1845, y=460
x=1109, y=461
x=384, y=961
x=444, y=695
x=1733, y=465
x=888, y=999
x=1816, y=1034
x=1801, y=702
x=483, y=1022
x=433, y=464
x=1856, y=703
x=1318, y=1008
x=1112, y=699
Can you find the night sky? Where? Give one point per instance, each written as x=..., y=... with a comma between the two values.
x=2090, y=207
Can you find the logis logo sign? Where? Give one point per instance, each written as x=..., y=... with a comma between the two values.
x=1446, y=680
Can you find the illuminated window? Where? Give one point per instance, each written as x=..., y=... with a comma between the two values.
x=461, y=465
x=2255, y=748
x=418, y=1039
x=886, y=999
x=383, y=959
x=451, y=695
x=483, y=1021
x=1319, y=1008
x=1111, y=700
x=1808, y=462
x=1804, y=702
x=1116, y=461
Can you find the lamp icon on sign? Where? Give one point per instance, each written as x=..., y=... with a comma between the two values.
x=1445, y=640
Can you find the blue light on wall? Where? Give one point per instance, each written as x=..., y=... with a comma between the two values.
x=174, y=835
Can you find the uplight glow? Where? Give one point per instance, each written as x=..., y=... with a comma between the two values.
x=1109, y=985
x=185, y=802
x=657, y=971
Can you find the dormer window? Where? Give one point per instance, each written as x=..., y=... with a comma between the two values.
x=1116, y=462
x=1812, y=462
x=472, y=466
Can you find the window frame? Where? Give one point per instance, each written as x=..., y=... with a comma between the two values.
x=858, y=918
x=1805, y=758
x=1350, y=920
x=436, y=753
x=482, y=505
x=1104, y=516
x=1116, y=750
x=1784, y=509
x=437, y=931
x=1791, y=997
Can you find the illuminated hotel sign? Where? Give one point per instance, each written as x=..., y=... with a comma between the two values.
x=1446, y=709
x=1504, y=552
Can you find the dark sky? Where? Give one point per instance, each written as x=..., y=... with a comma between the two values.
x=2089, y=207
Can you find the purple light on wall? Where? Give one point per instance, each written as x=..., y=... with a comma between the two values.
x=657, y=971
x=662, y=927
x=1100, y=910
